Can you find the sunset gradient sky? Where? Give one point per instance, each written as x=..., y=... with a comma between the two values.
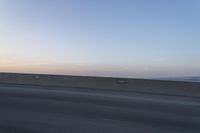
x=123, y=38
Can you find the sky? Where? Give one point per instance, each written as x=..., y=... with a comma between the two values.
x=112, y=38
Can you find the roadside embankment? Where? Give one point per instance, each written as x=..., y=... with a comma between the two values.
x=120, y=84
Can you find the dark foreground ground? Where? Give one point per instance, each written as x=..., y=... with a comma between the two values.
x=29, y=109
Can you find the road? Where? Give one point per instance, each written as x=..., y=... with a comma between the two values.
x=31, y=109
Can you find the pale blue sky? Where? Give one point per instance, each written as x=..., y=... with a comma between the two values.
x=124, y=38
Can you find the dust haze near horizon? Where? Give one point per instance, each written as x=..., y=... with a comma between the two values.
x=119, y=38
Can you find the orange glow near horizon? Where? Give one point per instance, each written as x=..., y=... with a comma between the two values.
x=87, y=69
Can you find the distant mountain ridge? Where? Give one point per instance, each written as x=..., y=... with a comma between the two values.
x=189, y=78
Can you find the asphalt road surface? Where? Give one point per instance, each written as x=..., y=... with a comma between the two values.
x=29, y=109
